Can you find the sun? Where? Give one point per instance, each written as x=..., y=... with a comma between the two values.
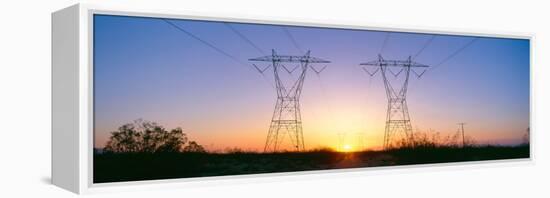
x=347, y=148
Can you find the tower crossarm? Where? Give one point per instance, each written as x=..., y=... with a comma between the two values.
x=289, y=59
x=393, y=63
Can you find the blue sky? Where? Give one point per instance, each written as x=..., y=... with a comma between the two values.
x=145, y=68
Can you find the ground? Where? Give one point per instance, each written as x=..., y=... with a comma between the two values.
x=149, y=166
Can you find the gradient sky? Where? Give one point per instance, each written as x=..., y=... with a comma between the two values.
x=145, y=68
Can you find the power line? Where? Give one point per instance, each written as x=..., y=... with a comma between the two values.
x=384, y=43
x=450, y=56
x=213, y=47
x=242, y=36
x=287, y=33
x=204, y=42
x=455, y=53
x=424, y=47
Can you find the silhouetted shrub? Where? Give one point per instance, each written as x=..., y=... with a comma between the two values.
x=432, y=139
x=145, y=136
x=194, y=147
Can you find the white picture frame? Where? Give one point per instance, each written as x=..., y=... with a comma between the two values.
x=72, y=101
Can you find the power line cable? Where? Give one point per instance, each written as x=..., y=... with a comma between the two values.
x=242, y=36
x=204, y=42
x=287, y=33
x=212, y=46
x=428, y=42
x=452, y=55
x=455, y=53
x=384, y=43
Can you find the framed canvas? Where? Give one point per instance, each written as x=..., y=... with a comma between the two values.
x=166, y=99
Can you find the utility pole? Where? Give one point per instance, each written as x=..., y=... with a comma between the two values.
x=397, y=117
x=462, y=130
x=287, y=116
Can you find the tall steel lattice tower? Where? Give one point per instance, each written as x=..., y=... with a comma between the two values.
x=398, y=121
x=286, y=118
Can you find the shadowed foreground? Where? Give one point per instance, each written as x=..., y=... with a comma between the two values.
x=117, y=167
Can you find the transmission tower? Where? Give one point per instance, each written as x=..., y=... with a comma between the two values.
x=462, y=131
x=286, y=116
x=398, y=121
x=360, y=141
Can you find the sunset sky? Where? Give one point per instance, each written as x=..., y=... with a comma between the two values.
x=145, y=68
